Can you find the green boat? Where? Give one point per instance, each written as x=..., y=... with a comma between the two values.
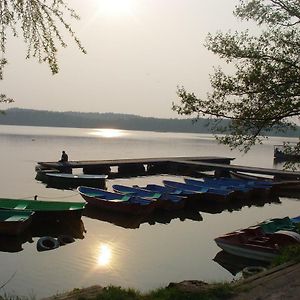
x=14, y=222
x=274, y=225
x=44, y=209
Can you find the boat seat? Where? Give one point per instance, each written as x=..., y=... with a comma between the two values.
x=21, y=206
x=126, y=197
x=15, y=219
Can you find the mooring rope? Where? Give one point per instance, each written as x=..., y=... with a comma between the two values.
x=35, y=197
x=5, y=283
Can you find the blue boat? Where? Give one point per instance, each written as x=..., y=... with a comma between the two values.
x=240, y=191
x=116, y=202
x=250, y=183
x=166, y=190
x=258, y=188
x=164, y=200
x=212, y=194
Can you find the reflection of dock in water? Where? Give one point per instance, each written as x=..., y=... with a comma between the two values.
x=134, y=221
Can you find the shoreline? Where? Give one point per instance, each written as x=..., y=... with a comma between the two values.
x=280, y=282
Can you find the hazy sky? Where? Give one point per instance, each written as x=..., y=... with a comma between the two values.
x=139, y=51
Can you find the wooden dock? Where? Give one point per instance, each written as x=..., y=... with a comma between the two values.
x=128, y=161
x=166, y=165
x=133, y=167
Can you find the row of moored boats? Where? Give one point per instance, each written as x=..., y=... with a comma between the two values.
x=174, y=195
x=263, y=241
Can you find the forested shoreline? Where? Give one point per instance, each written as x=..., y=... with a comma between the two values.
x=30, y=117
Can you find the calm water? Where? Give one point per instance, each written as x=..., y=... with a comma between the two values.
x=150, y=253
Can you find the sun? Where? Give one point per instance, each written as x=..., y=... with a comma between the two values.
x=116, y=7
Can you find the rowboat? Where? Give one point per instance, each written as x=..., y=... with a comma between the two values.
x=61, y=180
x=256, y=187
x=14, y=222
x=279, y=185
x=164, y=200
x=116, y=202
x=166, y=190
x=262, y=241
x=281, y=154
x=277, y=224
x=205, y=193
x=240, y=191
x=44, y=210
x=254, y=243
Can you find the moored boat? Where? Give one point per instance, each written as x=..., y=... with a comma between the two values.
x=240, y=191
x=44, y=210
x=165, y=201
x=66, y=180
x=116, y=202
x=14, y=222
x=257, y=188
x=286, y=152
x=279, y=185
x=254, y=243
x=166, y=190
x=276, y=224
x=204, y=193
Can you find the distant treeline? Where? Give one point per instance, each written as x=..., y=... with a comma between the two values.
x=30, y=117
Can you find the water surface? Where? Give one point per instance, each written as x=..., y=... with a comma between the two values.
x=131, y=252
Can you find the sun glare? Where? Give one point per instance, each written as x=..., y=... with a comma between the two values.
x=116, y=7
x=108, y=132
x=104, y=255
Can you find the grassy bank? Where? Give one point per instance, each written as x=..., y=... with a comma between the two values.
x=203, y=292
x=186, y=290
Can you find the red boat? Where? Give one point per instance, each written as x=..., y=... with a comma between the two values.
x=254, y=243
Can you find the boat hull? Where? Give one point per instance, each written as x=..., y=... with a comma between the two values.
x=44, y=210
x=200, y=194
x=119, y=206
x=66, y=180
x=246, y=252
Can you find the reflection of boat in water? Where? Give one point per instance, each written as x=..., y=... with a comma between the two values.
x=73, y=228
x=14, y=243
x=134, y=221
x=217, y=208
x=235, y=264
x=14, y=222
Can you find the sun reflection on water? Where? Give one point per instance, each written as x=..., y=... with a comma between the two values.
x=108, y=132
x=104, y=255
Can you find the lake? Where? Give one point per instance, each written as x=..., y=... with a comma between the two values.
x=130, y=252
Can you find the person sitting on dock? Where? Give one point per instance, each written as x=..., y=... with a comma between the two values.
x=64, y=157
